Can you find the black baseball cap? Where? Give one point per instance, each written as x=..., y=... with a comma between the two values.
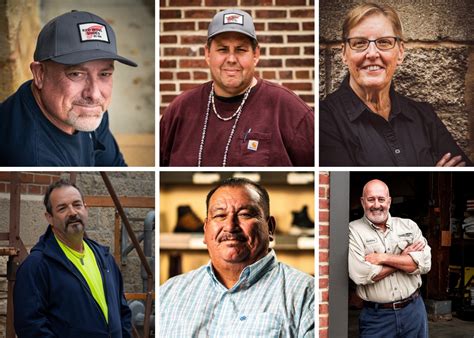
x=77, y=37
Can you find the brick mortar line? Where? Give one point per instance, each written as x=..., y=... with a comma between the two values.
x=203, y=33
x=267, y=8
x=193, y=81
x=266, y=57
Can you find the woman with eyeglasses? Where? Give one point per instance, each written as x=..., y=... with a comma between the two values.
x=366, y=122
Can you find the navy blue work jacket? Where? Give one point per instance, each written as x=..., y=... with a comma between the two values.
x=52, y=298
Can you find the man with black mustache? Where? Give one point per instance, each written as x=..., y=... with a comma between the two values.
x=69, y=285
x=243, y=291
x=387, y=256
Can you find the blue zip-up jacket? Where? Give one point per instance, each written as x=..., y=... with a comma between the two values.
x=52, y=299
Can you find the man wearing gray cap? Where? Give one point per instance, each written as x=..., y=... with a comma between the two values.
x=236, y=119
x=60, y=117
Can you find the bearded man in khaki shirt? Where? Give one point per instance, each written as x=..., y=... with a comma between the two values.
x=387, y=256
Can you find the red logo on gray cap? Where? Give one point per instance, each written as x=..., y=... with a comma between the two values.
x=233, y=18
x=93, y=32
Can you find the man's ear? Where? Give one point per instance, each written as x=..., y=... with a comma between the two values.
x=38, y=71
x=271, y=228
x=256, y=56
x=206, y=54
x=205, y=226
x=48, y=217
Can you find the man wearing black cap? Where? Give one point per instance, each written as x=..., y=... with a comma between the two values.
x=60, y=117
x=236, y=119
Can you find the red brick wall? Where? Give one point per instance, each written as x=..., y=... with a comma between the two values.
x=285, y=30
x=323, y=254
x=33, y=183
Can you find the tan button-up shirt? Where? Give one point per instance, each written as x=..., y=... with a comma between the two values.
x=365, y=238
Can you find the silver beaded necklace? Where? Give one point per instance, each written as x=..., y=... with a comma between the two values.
x=206, y=120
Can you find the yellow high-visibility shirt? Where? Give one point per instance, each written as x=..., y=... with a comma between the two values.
x=86, y=263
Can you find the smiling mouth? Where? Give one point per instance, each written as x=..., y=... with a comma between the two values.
x=231, y=70
x=372, y=68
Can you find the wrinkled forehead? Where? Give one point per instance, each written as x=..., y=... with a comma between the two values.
x=64, y=194
x=376, y=189
x=234, y=197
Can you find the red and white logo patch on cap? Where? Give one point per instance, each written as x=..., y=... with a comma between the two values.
x=233, y=18
x=93, y=32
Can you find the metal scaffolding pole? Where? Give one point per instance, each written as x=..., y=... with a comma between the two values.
x=141, y=255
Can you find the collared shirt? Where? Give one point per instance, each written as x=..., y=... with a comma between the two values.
x=366, y=238
x=269, y=300
x=352, y=135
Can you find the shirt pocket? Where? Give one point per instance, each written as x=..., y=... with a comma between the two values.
x=373, y=245
x=374, y=248
x=404, y=240
x=253, y=325
x=255, y=149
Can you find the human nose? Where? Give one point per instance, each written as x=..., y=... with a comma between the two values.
x=92, y=89
x=71, y=211
x=377, y=204
x=231, y=57
x=231, y=223
x=372, y=50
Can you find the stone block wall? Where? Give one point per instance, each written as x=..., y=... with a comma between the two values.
x=323, y=226
x=18, y=18
x=285, y=30
x=438, y=66
x=101, y=220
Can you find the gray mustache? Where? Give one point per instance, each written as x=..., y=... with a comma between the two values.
x=232, y=237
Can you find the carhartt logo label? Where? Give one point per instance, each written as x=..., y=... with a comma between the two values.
x=233, y=18
x=93, y=32
x=252, y=145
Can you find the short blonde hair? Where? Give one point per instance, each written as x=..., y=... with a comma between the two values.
x=362, y=11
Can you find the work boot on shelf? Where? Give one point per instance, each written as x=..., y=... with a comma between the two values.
x=188, y=221
x=301, y=224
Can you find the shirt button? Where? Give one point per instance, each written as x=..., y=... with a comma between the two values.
x=243, y=318
x=397, y=151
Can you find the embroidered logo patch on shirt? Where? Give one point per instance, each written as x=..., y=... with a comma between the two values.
x=252, y=145
x=370, y=241
x=93, y=32
x=233, y=18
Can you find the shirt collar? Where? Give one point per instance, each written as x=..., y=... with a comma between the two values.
x=358, y=106
x=388, y=224
x=251, y=273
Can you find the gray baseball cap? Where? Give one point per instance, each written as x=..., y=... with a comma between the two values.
x=232, y=20
x=77, y=37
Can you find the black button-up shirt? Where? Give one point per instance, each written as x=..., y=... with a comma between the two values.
x=350, y=134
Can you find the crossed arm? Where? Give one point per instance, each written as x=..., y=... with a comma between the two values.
x=391, y=263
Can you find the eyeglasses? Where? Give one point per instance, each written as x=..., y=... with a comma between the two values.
x=361, y=44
